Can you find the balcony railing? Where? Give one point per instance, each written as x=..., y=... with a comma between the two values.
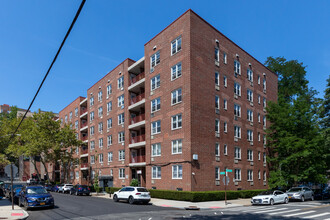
x=138, y=159
x=84, y=151
x=136, y=78
x=84, y=165
x=137, y=98
x=137, y=139
x=137, y=119
x=84, y=138
x=83, y=111
x=83, y=124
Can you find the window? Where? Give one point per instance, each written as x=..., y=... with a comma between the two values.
x=237, y=131
x=259, y=155
x=99, y=96
x=121, y=173
x=92, y=130
x=177, y=146
x=121, y=137
x=258, y=80
x=249, y=95
x=155, y=104
x=77, y=136
x=176, y=71
x=237, y=89
x=121, y=119
x=225, y=127
x=217, y=79
x=70, y=115
x=155, y=127
x=217, y=173
x=264, y=175
x=109, y=106
x=264, y=84
x=100, y=142
x=91, y=116
x=100, y=158
x=177, y=172
x=176, y=45
x=110, y=156
x=176, y=96
x=249, y=155
x=249, y=135
x=93, y=174
x=109, y=90
x=216, y=54
x=259, y=175
x=156, y=150
x=92, y=159
x=264, y=157
x=154, y=60
x=100, y=127
x=100, y=112
x=237, y=153
x=259, y=136
x=176, y=121
x=121, y=101
x=76, y=124
x=109, y=140
x=224, y=58
x=237, y=67
x=250, y=115
x=76, y=112
x=120, y=82
x=237, y=110
x=77, y=150
x=225, y=104
x=217, y=149
x=264, y=120
x=225, y=150
x=61, y=120
x=217, y=102
x=66, y=119
x=91, y=101
x=155, y=82
x=92, y=145
x=121, y=155
x=111, y=172
x=109, y=123
x=217, y=126
x=264, y=139
x=259, y=117
x=77, y=174
x=250, y=75
x=237, y=174
x=156, y=173
x=264, y=102
x=225, y=81
x=250, y=175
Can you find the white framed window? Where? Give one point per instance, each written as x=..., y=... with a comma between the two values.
x=250, y=75
x=264, y=139
x=224, y=58
x=99, y=96
x=121, y=155
x=100, y=158
x=258, y=79
x=264, y=120
x=61, y=121
x=111, y=172
x=237, y=67
x=93, y=174
x=100, y=111
x=250, y=115
x=217, y=79
x=109, y=123
x=66, y=119
x=264, y=84
x=121, y=173
x=92, y=131
x=264, y=102
x=177, y=172
x=76, y=112
x=155, y=104
x=259, y=175
x=249, y=155
x=101, y=143
x=217, y=149
x=237, y=153
x=109, y=90
x=237, y=110
x=121, y=101
x=225, y=127
x=76, y=124
x=92, y=145
x=217, y=173
x=70, y=116
x=176, y=121
x=109, y=140
x=110, y=156
x=225, y=104
x=92, y=159
x=217, y=125
x=217, y=102
x=100, y=127
x=155, y=82
x=225, y=81
x=249, y=95
x=156, y=150
x=120, y=82
x=237, y=89
x=265, y=177
x=77, y=150
x=155, y=127
x=237, y=174
x=259, y=98
x=77, y=136
x=249, y=135
x=121, y=137
x=250, y=175
x=176, y=96
x=259, y=136
x=177, y=146
x=154, y=60
x=259, y=117
x=216, y=54
x=225, y=149
x=121, y=119
x=176, y=71
x=91, y=116
x=237, y=131
x=156, y=172
x=91, y=101
x=259, y=155
x=264, y=157
x=176, y=45
x=77, y=175
x=109, y=106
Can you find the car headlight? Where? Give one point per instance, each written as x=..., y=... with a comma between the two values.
x=296, y=194
x=265, y=198
x=48, y=198
x=32, y=199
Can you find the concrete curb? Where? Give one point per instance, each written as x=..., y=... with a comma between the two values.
x=6, y=211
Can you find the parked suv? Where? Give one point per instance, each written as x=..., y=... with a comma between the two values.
x=300, y=193
x=132, y=195
x=80, y=190
x=65, y=189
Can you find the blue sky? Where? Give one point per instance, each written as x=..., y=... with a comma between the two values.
x=109, y=31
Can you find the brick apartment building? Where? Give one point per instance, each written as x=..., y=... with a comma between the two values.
x=192, y=107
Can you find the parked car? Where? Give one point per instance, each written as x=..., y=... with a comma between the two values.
x=321, y=194
x=300, y=193
x=132, y=195
x=35, y=196
x=65, y=189
x=270, y=198
x=16, y=194
x=8, y=190
x=59, y=188
x=80, y=190
x=48, y=187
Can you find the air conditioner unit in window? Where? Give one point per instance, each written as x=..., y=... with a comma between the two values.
x=251, y=183
x=235, y=161
x=264, y=110
x=217, y=134
x=251, y=123
x=251, y=163
x=235, y=139
x=217, y=87
x=235, y=96
x=265, y=183
x=251, y=103
x=217, y=158
x=251, y=143
x=236, y=183
x=217, y=63
x=217, y=183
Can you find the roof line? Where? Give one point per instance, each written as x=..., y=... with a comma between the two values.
x=71, y=103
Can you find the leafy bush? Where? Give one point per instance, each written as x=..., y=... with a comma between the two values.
x=134, y=182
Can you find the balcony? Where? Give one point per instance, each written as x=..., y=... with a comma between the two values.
x=84, y=138
x=136, y=79
x=137, y=141
x=137, y=121
x=138, y=161
x=83, y=126
x=84, y=166
x=83, y=112
x=84, y=152
x=135, y=102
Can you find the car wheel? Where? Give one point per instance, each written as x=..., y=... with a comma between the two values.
x=77, y=193
x=26, y=208
x=302, y=199
x=286, y=201
x=131, y=200
x=312, y=198
x=271, y=202
x=115, y=198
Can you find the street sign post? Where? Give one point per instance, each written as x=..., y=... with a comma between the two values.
x=225, y=180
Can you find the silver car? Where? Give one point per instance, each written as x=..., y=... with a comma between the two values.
x=300, y=193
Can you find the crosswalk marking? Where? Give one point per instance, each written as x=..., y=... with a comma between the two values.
x=292, y=210
x=301, y=213
x=254, y=209
x=300, y=205
x=270, y=210
x=318, y=215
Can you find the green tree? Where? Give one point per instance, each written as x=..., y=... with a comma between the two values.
x=325, y=122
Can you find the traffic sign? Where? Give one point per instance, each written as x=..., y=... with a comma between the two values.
x=225, y=180
x=222, y=173
x=229, y=171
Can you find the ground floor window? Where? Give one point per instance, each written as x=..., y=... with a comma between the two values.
x=177, y=172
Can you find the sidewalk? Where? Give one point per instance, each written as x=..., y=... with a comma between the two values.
x=185, y=204
x=7, y=213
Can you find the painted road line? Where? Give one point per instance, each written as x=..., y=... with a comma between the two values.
x=270, y=210
x=301, y=205
x=318, y=215
x=301, y=213
x=255, y=209
x=292, y=210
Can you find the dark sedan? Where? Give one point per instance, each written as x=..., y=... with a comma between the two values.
x=35, y=196
x=8, y=190
x=321, y=194
x=80, y=190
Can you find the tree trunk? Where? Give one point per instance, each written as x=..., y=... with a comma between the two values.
x=35, y=167
x=43, y=163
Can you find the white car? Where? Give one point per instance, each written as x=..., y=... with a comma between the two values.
x=270, y=198
x=65, y=189
x=132, y=195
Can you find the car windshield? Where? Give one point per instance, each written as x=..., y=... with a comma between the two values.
x=267, y=193
x=142, y=190
x=36, y=191
x=295, y=189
